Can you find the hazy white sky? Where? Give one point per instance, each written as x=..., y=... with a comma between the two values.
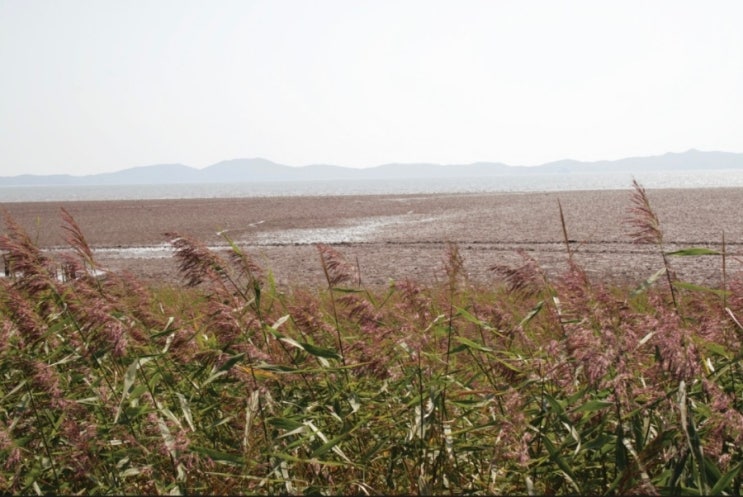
x=98, y=85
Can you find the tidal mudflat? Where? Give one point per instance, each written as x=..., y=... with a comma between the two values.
x=405, y=236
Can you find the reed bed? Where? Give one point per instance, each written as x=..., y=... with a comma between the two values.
x=231, y=385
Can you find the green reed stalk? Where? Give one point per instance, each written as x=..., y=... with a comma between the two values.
x=724, y=273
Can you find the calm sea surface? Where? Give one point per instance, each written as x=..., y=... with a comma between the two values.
x=505, y=183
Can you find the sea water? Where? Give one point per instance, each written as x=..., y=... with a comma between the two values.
x=532, y=182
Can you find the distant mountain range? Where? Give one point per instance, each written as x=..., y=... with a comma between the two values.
x=262, y=170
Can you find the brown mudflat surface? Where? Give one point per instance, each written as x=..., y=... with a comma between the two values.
x=399, y=236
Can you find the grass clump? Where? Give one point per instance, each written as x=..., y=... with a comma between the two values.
x=226, y=385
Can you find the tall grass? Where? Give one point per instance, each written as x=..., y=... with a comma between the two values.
x=532, y=385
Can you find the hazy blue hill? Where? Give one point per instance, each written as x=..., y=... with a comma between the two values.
x=692, y=159
x=684, y=161
x=157, y=174
x=266, y=170
x=236, y=170
x=32, y=180
x=486, y=168
x=143, y=175
x=263, y=170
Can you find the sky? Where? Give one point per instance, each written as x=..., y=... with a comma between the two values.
x=93, y=86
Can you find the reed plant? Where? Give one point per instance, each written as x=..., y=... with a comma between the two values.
x=229, y=385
